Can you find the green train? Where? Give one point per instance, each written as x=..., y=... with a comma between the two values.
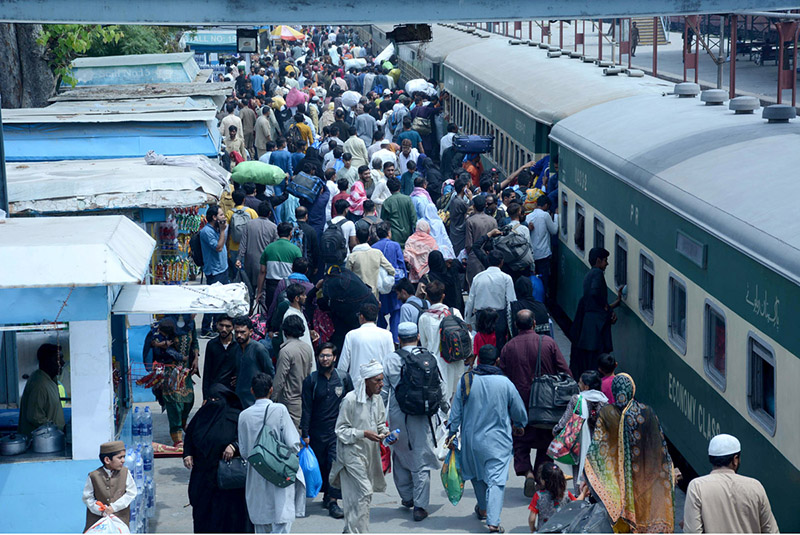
x=694, y=203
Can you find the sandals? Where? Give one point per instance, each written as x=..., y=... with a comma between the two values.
x=496, y=529
x=481, y=516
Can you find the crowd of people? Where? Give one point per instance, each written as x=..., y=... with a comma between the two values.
x=412, y=294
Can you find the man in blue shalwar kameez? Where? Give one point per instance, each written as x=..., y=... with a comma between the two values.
x=485, y=407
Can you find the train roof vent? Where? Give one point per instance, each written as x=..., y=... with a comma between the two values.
x=714, y=97
x=553, y=48
x=779, y=113
x=588, y=59
x=544, y=46
x=576, y=55
x=612, y=71
x=554, y=54
x=687, y=90
x=534, y=43
x=604, y=64
x=744, y=105
x=514, y=41
x=635, y=73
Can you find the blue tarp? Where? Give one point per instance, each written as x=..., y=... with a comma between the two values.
x=33, y=142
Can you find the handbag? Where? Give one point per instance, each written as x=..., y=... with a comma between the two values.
x=232, y=474
x=385, y=281
x=566, y=446
x=422, y=125
x=550, y=395
x=272, y=459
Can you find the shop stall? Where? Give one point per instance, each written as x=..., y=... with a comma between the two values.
x=137, y=69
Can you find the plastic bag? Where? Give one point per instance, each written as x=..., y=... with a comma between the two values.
x=386, y=459
x=295, y=97
x=451, y=477
x=109, y=524
x=310, y=466
x=258, y=173
x=350, y=98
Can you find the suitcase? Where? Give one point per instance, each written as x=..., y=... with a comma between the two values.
x=306, y=187
x=474, y=144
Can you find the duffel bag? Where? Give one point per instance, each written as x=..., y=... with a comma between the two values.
x=275, y=461
x=515, y=248
x=550, y=395
x=474, y=144
x=258, y=173
x=306, y=187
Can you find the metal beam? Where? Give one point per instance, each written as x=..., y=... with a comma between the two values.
x=253, y=13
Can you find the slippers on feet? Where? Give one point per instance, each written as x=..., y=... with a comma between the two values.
x=481, y=516
x=530, y=487
x=496, y=529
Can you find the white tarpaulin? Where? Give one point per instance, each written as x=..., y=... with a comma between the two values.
x=386, y=54
x=116, y=184
x=230, y=299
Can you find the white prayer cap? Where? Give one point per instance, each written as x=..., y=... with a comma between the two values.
x=407, y=329
x=371, y=369
x=722, y=445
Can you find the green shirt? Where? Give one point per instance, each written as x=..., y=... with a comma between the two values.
x=40, y=403
x=399, y=211
x=278, y=256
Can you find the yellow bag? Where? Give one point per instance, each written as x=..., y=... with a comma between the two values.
x=531, y=196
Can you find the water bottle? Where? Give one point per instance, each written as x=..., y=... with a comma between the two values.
x=392, y=438
x=130, y=459
x=133, y=518
x=138, y=472
x=136, y=428
x=147, y=459
x=151, y=498
x=147, y=421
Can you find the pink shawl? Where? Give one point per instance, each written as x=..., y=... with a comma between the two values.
x=418, y=247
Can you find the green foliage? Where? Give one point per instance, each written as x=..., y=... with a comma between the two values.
x=139, y=40
x=65, y=42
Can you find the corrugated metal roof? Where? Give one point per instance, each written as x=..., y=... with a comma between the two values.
x=136, y=69
x=73, y=251
x=82, y=185
x=547, y=89
x=216, y=90
x=139, y=105
x=699, y=161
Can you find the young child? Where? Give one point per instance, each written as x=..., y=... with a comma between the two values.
x=552, y=494
x=486, y=326
x=112, y=484
x=606, y=364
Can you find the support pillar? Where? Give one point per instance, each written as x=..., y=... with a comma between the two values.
x=600, y=40
x=656, y=21
x=787, y=62
x=734, y=29
x=690, y=59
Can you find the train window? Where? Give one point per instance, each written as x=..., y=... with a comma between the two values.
x=761, y=382
x=647, y=280
x=580, y=228
x=620, y=261
x=599, y=232
x=677, y=313
x=714, y=344
x=564, y=214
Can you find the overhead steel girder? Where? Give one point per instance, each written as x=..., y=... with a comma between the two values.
x=258, y=12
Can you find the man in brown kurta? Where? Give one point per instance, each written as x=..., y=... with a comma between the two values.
x=112, y=485
x=518, y=362
x=478, y=224
x=294, y=365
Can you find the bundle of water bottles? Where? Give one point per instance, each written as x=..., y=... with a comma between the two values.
x=139, y=460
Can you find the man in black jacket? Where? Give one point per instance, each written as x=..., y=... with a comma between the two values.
x=221, y=362
x=323, y=392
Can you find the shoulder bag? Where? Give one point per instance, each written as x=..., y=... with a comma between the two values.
x=550, y=395
x=272, y=459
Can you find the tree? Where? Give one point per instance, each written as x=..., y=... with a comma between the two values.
x=65, y=42
x=139, y=40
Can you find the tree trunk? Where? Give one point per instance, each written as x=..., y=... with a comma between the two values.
x=26, y=80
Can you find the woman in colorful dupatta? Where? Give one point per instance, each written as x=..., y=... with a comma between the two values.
x=418, y=246
x=628, y=465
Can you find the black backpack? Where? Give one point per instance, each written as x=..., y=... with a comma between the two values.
x=419, y=391
x=455, y=340
x=333, y=246
x=516, y=250
x=294, y=134
x=196, y=249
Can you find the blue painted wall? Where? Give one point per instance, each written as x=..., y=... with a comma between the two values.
x=42, y=305
x=136, y=336
x=43, y=497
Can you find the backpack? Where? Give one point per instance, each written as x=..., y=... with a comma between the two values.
x=239, y=219
x=333, y=246
x=272, y=459
x=422, y=125
x=455, y=342
x=371, y=222
x=516, y=250
x=420, y=308
x=297, y=238
x=196, y=249
x=419, y=391
x=294, y=134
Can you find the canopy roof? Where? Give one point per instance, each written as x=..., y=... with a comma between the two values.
x=136, y=69
x=73, y=251
x=83, y=185
x=230, y=299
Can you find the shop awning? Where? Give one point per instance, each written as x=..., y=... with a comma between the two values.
x=90, y=185
x=136, y=69
x=231, y=299
x=42, y=252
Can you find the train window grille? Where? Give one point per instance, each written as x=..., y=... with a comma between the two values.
x=564, y=215
x=647, y=283
x=620, y=261
x=761, y=382
x=580, y=228
x=677, y=313
x=599, y=233
x=714, y=344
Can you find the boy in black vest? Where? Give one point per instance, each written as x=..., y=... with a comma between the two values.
x=112, y=484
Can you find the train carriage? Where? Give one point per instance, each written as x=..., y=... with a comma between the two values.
x=697, y=206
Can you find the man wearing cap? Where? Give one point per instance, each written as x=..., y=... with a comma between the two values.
x=360, y=428
x=723, y=501
x=385, y=153
x=112, y=484
x=413, y=455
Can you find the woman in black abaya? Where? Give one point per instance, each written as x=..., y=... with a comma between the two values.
x=210, y=436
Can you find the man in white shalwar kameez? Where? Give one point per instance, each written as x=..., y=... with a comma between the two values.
x=271, y=509
x=360, y=428
x=366, y=343
x=413, y=454
x=485, y=407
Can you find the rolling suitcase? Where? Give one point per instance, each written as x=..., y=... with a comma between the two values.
x=474, y=144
